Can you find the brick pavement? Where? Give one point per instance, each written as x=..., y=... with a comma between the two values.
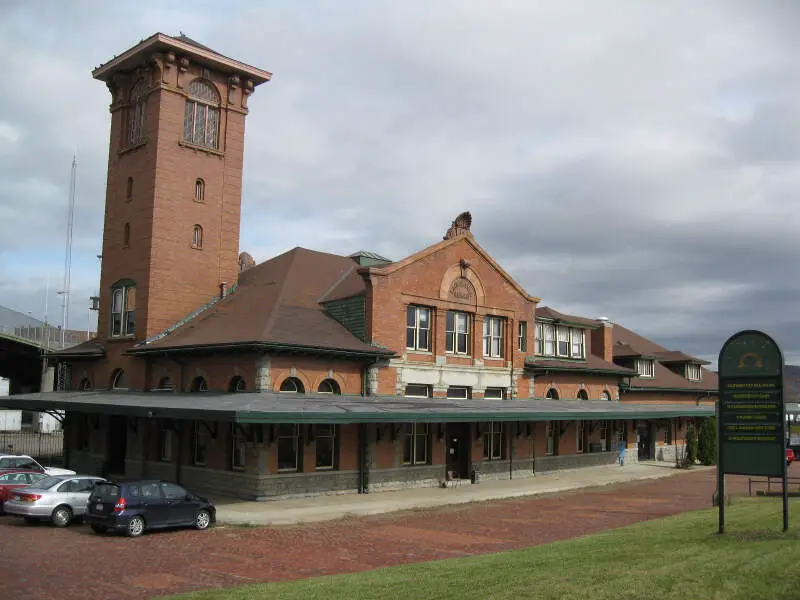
x=40, y=562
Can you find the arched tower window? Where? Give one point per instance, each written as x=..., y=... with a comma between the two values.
x=293, y=385
x=197, y=237
x=200, y=190
x=136, y=113
x=329, y=386
x=123, y=308
x=129, y=190
x=126, y=235
x=201, y=118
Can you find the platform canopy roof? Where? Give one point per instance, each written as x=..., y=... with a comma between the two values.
x=276, y=407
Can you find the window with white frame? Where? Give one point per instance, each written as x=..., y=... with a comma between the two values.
x=538, y=338
x=522, y=336
x=549, y=340
x=287, y=447
x=577, y=342
x=645, y=367
x=457, y=330
x=201, y=443
x=199, y=190
x=494, y=441
x=459, y=392
x=494, y=393
x=418, y=328
x=167, y=435
x=136, y=114
x=238, y=446
x=415, y=444
x=123, y=309
x=580, y=436
x=201, y=118
x=562, y=334
x=550, y=438
x=418, y=390
x=325, y=438
x=197, y=237
x=493, y=337
x=693, y=372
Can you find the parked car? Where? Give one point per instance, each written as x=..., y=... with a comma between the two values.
x=61, y=499
x=22, y=461
x=136, y=506
x=789, y=456
x=12, y=480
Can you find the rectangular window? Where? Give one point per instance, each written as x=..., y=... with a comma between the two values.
x=459, y=392
x=563, y=341
x=287, y=447
x=645, y=367
x=493, y=337
x=201, y=441
x=130, y=311
x=576, y=335
x=418, y=390
x=166, y=444
x=415, y=444
x=549, y=340
x=325, y=438
x=494, y=441
x=581, y=436
x=668, y=433
x=539, y=338
x=238, y=446
x=418, y=328
x=604, y=436
x=495, y=393
x=550, y=438
x=123, y=310
x=693, y=372
x=457, y=330
x=522, y=336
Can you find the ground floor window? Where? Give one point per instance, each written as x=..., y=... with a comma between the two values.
x=418, y=390
x=580, y=435
x=604, y=436
x=238, y=446
x=166, y=444
x=201, y=443
x=668, y=433
x=415, y=444
x=325, y=437
x=459, y=392
x=494, y=441
x=550, y=438
x=494, y=393
x=288, y=456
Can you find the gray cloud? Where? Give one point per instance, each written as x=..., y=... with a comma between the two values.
x=627, y=159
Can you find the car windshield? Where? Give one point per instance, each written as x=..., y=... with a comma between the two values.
x=106, y=491
x=46, y=483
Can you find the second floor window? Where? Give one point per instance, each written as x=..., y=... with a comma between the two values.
x=201, y=118
x=645, y=367
x=418, y=328
x=123, y=310
x=458, y=330
x=493, y=337
x=693, y=372
x=522, y=336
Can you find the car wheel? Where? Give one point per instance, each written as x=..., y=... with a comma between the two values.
x=99, y=528
x=135, y=527
x=202, y=519
x=62, y=516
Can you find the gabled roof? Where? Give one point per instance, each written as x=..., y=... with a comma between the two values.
x=275, y=303
x=676, y=357
x=545, y=313
x=425, y=252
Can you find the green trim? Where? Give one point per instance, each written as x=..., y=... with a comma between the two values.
x=670, y=389
x=269, y=346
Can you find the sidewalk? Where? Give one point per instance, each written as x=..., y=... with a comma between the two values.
x=324, y=508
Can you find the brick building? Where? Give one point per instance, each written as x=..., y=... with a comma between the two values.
x=314, y=372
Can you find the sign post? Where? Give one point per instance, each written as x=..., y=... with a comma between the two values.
x=751, y=415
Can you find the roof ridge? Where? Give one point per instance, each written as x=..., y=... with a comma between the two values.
x=279, y=297
x=337, y=283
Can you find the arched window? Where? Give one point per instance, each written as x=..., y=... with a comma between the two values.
x=237, y=384
x=129, y=190
x=136, y=113
x=293, y=384
x=123, y=308
x=605, y=396
x=126, y=235
x=119, y=381
x=200, y=190
x=582, y=395
x=197, y=237
x=552, y=394
x=199, y=384
x=201, y=118
x=85, y=385
x=165, y=384
x=329, y=386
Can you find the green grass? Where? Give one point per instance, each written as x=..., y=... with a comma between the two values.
x=680, y=557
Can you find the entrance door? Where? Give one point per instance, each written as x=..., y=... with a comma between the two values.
x=117, y=444
x=458, y=449
x=645, y=442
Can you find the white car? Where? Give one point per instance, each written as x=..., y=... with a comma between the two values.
x=22, y=461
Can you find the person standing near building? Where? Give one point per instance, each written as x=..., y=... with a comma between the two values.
x=621, y=445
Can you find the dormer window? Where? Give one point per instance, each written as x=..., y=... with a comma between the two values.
x=645, y=367
x=559, y=340
x=693, y=372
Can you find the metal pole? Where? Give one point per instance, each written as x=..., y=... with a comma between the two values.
x=68, y=254
x=720, y=472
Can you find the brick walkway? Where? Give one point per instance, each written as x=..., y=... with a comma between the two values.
x=41, y=562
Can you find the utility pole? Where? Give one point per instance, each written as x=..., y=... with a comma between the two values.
x=68, y=254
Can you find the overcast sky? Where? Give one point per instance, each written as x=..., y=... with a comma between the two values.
x=635, y=160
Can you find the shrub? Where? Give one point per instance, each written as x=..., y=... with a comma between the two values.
x=691, y=444
x=707, y=445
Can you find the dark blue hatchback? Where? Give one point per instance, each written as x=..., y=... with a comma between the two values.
x=134, y=506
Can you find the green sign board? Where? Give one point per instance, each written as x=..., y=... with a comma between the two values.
x=751, y=409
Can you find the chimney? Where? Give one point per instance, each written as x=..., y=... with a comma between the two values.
x=603, y=340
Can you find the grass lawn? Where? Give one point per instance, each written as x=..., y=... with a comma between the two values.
x=680, y=557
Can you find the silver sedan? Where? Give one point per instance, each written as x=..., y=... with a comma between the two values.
x=60, y=499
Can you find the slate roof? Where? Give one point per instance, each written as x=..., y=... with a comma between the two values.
x=550, y=314
x=275, y=303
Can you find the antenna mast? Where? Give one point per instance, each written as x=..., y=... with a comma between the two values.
x=68, y=257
